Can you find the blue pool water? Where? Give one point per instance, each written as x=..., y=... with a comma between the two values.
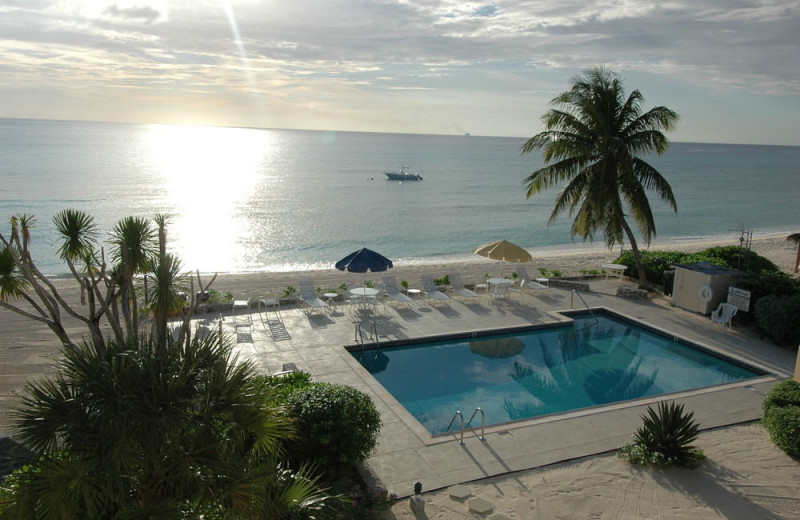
x=521, y=375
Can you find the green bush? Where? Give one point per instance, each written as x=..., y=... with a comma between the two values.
x=785, y=393
x=783, y=425
x=778, y=318
x=656, y=262
x=782, y=416
x=665, y=438
x=336, y=424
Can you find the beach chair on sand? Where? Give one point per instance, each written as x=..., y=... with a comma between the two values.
x=429, y=288
x=457, y=286
x=393, y=292
x=309, y=296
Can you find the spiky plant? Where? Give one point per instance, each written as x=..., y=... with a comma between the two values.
x=665, y=438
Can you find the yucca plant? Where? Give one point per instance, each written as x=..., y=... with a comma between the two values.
x=665, y=438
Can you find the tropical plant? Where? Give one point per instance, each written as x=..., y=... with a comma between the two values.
x=107, y=293
x=594, y=141
x=142, y=430
x=336, y=424
x=665, y=438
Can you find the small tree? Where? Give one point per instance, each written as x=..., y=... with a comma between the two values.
x=109, y=294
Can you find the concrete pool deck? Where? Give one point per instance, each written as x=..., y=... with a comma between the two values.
x=406, y=453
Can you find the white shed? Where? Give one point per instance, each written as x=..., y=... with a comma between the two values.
x=702, y=286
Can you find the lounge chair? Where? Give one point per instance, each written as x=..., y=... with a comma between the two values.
x=457, y=286
x=309, y=296
x=724, y=314
x=525, y=281
x=393, y=292
x=429, y=288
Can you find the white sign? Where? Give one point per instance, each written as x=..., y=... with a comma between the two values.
x=740, y=298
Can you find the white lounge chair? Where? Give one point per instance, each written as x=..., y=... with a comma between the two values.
x=724, y=314
x=429, y=288
x=393, y=292
x=457, y=286
x=525, y=281
x=309, y=296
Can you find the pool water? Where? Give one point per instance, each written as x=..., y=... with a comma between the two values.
x=592, y=361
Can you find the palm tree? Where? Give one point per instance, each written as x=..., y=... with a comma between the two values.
x=593, y=141
x=138, y=431
x=134, y=239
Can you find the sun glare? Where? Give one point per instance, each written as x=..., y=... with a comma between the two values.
x=207, y=174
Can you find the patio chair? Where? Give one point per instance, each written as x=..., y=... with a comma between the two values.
x=429, y=288
x=309, y=296
x=724, y=314
x=393, y=292
x=526, y=281
x=457, y=286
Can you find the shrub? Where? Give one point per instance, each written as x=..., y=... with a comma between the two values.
x=283, y=386
x=665, y=438
x=782, y=416
x=336, y=424
x=778, y=318
x=785, y=393
x=783, y=425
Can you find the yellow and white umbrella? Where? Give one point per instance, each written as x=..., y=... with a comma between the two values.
x=504, y=251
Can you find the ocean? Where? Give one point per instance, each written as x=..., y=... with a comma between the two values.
x=288, y=200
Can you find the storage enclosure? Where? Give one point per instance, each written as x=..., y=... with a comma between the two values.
x=701, y=287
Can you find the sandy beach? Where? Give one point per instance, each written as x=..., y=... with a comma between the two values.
x=569, y=261
x=745, y=476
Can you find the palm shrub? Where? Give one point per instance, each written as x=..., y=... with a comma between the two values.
x=782, y=416
x=153, y=430
x=665, y=438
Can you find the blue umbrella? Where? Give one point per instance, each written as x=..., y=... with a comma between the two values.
x=364, y=260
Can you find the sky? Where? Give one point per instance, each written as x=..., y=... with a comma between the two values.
x=730, y=68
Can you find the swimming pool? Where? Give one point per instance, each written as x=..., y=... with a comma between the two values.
x=594, y=360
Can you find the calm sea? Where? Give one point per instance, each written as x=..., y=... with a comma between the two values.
x=281, y=200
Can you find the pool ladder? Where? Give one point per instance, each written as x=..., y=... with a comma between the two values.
x=571, y=298
x=464, y=427
x=359, y=334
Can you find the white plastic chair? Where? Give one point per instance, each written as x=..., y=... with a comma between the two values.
x=393, y=292
x=309, y=296
x=724, y=314
x=429, y=288
x=457, y=286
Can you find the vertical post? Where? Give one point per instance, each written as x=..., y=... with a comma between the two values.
x=797, y=366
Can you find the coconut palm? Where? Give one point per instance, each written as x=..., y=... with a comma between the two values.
x=138, y=431
x=594, y=141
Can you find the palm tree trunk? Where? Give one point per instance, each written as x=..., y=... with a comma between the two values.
x=637, y=257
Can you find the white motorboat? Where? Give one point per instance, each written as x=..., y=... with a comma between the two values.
x=403, y=175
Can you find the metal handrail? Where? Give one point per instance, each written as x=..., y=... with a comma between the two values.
x=458, y=414
x=576, y=293
x=483, y=422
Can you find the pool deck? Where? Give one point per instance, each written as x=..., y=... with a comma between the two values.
x=406, y=453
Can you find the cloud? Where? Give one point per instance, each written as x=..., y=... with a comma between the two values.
x=284, y=54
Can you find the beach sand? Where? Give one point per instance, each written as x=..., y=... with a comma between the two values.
x=745, y=476
x=569, y=261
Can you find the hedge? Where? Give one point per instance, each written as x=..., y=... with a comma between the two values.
x=782, y=416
